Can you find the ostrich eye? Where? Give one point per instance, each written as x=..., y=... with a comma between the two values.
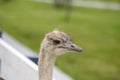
x=56, y=42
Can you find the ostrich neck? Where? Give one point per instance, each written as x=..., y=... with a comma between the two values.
x=45, y=65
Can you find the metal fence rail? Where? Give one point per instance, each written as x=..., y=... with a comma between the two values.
x=15, y=66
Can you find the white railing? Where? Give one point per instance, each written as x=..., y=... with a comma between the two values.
x=15, y=66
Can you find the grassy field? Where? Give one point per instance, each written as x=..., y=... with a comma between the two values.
x=96, y=31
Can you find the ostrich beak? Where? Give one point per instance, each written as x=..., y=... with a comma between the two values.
x=74, y=47
x=71, y=47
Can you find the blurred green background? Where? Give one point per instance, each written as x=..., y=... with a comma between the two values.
x=97, y=31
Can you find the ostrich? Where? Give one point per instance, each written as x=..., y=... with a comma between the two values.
x=55, y=43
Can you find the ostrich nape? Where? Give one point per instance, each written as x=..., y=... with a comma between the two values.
x=55, y=43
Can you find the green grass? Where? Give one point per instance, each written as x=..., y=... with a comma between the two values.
x=96, y=31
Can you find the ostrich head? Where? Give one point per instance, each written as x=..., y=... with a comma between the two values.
x=57, y=43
